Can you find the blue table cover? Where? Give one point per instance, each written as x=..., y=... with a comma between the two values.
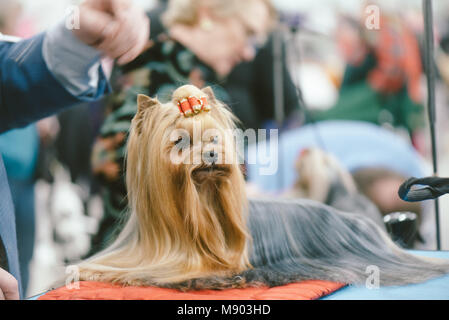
x=435, y=289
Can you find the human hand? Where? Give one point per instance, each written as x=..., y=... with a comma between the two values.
x=118, y=28
x=9, y=288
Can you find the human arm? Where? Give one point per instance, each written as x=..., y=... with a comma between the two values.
x=43, y=75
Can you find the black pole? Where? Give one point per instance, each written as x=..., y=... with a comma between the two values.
x=278, y=89
x=430, y=75
x=278, y=75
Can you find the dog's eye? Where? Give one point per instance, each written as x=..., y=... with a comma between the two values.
x=182, y=142
x=214, y=139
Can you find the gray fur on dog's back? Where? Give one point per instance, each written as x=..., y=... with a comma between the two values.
x=295, y=240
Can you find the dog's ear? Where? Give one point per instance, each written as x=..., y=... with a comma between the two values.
x=210, y=95
x=144, y=103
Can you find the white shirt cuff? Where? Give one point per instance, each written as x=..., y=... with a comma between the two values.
x=74, y=64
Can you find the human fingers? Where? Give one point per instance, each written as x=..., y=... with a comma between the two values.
x=108, y=36
x=98, y=21
x=129, y=36
x=120, y=6
x=9, y=286
x=94, y=25
x=139, y=44
x=108, y=6
x=121, y=41
x=132, y=38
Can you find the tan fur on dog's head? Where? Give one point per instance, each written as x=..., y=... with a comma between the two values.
x=186, y=198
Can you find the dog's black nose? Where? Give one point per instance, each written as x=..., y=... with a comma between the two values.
x=210, y=157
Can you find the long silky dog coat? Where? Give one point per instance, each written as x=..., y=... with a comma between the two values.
x=192, y=227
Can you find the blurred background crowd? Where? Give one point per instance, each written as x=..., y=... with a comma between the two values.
x=315, y=70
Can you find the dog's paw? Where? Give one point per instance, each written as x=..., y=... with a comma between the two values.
x=190, y=100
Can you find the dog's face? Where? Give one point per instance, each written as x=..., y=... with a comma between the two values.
x=199, y=147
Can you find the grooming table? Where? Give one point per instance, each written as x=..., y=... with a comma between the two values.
x=435, y=289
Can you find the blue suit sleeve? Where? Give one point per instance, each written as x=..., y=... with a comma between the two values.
x=28, y=89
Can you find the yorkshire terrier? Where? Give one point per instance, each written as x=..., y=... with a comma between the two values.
x=191, y=225
x=321, y=177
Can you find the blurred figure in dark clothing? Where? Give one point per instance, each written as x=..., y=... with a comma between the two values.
x=250, y=84
x=78, y=128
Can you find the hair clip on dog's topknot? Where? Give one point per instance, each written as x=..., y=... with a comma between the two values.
x=190, y=100
x=191, y=106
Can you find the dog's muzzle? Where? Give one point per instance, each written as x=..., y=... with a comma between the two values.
x=210, y=157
